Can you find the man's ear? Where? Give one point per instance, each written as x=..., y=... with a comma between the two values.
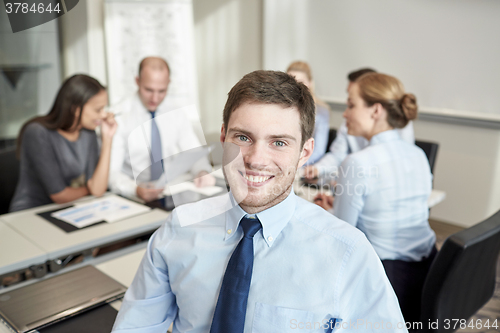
x=306, y=152
x=137, y=80
x=222, y=134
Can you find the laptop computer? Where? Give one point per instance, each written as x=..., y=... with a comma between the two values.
x=46, y=302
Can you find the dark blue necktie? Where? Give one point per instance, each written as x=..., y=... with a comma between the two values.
x=156, y=155
x=229, y=316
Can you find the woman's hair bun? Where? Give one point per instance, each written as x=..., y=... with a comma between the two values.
x=409, y=106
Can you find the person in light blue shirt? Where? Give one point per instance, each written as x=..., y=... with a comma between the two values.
x=311, y=271
x=383, y=189
x=301, y=71
x=344, y=144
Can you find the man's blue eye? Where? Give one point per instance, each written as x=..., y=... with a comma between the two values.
x=243, y=138
x=279, y=143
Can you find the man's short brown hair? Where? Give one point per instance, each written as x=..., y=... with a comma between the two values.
x=273, y=87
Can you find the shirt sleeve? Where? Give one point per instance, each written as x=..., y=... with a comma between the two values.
x=93, y=157
x=339, y=149
x=149, y=304
x=42, y=159
x=350, y=191
x=119, y=182
x=321, y=132
x=372, y=305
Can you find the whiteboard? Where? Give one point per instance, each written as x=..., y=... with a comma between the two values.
x=137, y=29
x=446, y=52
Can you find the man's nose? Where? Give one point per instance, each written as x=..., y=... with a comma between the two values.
x=156, y=97
x=256, y=156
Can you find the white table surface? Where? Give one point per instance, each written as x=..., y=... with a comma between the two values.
x=16, y=251
x=55, y=242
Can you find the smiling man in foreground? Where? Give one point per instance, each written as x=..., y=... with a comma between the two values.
x=269, y=261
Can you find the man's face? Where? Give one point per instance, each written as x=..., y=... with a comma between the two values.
x=269, y=139
x=153, y=85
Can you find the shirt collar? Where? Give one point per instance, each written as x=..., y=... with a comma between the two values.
x=385, y=136
x=273, y=219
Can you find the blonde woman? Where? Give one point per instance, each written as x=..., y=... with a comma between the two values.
x=383, y=188
x=302, y=73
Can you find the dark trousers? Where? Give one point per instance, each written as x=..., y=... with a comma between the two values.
x=407, y=279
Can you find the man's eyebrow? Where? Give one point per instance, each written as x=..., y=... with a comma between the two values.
x=282, y=136
x=237, y=129
x=275, y=136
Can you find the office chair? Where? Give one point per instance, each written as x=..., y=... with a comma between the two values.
x=462, y=277
x=9, y=175
x=331, y=136
x=430, y=149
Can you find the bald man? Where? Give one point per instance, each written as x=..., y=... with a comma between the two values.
x=163, y=132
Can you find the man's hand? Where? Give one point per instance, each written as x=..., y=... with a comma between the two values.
x=148, y=194
x=324, y=200
x=203, y=179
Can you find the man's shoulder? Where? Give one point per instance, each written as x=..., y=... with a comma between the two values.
x=325, y=224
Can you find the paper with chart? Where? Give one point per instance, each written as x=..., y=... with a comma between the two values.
x=109, y=209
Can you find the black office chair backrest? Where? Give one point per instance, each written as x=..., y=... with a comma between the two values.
x=430, y=149
x=462, y=277
x=9, y=175
x=331, y=136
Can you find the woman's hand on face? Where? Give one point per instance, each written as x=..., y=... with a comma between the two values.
x=324, y=200
x=109, y=126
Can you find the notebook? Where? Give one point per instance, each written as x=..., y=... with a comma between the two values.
x=54, y=299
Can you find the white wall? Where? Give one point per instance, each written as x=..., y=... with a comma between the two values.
x=82, y=31
x=228, y=44
x=446, y=52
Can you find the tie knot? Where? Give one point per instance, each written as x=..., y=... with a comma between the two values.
x=153, y=114
x=250, y=226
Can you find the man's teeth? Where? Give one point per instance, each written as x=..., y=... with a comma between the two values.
x=256, y=179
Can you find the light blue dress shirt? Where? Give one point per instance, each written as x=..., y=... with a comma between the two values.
x=383, y=191
x=345, y=144
x=321, y=132
x=309, y=267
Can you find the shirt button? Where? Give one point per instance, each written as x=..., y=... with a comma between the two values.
x=270, y=238
x=229, y=231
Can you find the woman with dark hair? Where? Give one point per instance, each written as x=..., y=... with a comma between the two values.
x=59, y=153
x=383, y=188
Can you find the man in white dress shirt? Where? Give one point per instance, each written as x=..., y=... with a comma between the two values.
x=131, y=170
